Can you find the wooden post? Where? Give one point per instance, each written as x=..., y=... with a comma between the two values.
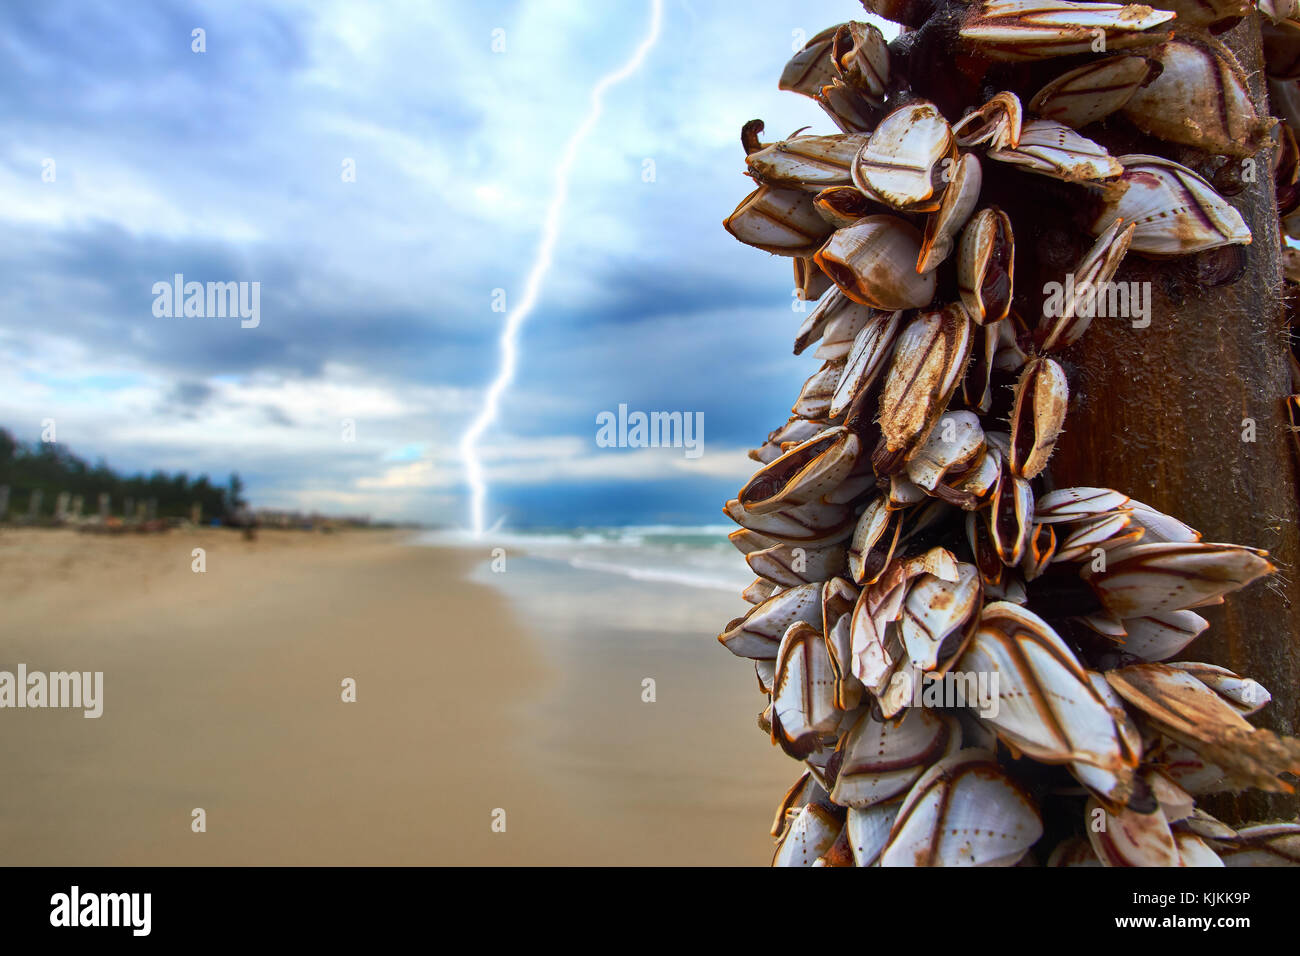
x=1166, y=414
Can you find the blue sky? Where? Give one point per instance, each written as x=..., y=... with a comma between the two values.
x=376, y=294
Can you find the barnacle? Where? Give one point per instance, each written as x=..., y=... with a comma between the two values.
x=903, y=524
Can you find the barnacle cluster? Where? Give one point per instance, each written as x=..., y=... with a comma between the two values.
x=909, y=542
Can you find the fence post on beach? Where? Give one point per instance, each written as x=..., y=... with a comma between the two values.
x=104, y=504
x=61, y=505
x=78, y=502
x=196, y=512
x=141, y=509
x=4, y=502
x=34, y=505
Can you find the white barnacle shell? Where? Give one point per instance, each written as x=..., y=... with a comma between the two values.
x=780, y=565
x=816, y=523
x=1093, y=91
x=936, y=610
x=1108, y=531
x=1047, y=707
x=903, y=161
x=882, y=759
x=803, y=698
x=842, y=330
x=1177, y=704
x=964, y=811
x=874, y=263
x=860, y=55
x=1129, y=838
x=1010, y=517
x=1199, y=98
x=1038, y=416
x=811, y=68
x=803, y=474
x=782, y=439
x=838, y=599
x=997, y=123
x=844, y=205
x=1193, y=851
x=876, y=645
x=872, y=348
x=1112, y=788
x=779, y=220
x=1037, y=29
x=953, y=446
x=834, y=311
x=811, y=833
x=809, y=280
x=1053, y=149
x=868, y=830
x=847, y=107
x=759, y=590
x=1244, y=693
x=1160, y=526
x=929, y=361
x=1273, y=9
x=986, y=265
x=1091, y=276
x=814, y=400
x=971, y=489
x=807, y=162
x=747, y=542
x=758, y=634
x=1268, y=844
x=1010, y=357
x=1040, y=550
x=955, y=208
x=805, y=790
x=1161, y=634
x=877, y=526
x=1077, y=504
x=1146, y=578
x=1176, y=212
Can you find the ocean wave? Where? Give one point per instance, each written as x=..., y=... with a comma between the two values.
x=691, y=579
x=696, y=556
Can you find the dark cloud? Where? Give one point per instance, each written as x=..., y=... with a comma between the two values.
x=228, y=166
x=185, y=399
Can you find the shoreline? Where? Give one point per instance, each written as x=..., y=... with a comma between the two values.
x=222, y=692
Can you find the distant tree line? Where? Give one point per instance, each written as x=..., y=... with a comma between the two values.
x=51, y=468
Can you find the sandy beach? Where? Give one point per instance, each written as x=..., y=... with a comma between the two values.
x=222, y=691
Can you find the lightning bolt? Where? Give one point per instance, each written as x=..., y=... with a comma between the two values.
x=541, y=266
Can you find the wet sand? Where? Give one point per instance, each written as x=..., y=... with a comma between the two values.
x=222, y=691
